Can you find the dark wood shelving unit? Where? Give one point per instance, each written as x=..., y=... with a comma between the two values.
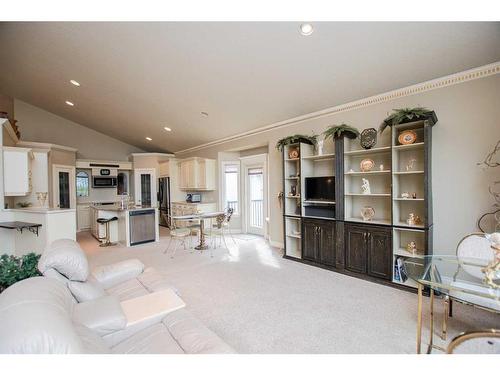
x=346, y=243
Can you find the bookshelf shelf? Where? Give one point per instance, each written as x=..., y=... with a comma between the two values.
x=325, y=157
x=355, y=173
x=409, y=147
x=409, y=172
x=377, y=150
x=375, y=195
x=373, y=221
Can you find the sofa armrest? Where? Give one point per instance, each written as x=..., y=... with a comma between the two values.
x=102, y=315
x=116, y=273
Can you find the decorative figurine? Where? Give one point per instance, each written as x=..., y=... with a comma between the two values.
x=293, y=191
x=414, y=195
x=367, y=213
x=411, y=164
x=405, y=195
x=351, y=170
x=366, y=186
x=368, y=138
x=381, y=167
x=411, y=247
x=413, y=219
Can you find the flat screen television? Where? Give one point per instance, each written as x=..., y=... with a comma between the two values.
x=320, y=188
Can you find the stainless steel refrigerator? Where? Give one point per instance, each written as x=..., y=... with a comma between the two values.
x=164, y=201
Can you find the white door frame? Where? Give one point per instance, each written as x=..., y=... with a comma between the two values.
x=137, y=184
x=56, y=168
x=248, y=162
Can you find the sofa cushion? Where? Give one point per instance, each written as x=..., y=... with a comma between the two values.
x=192, y=336
x=154, y=281
x=66, y=257
x=102, y=315
x=86, y=290
x=116, y=273
x=153, y=340
x=35, y=318
x=128, y=290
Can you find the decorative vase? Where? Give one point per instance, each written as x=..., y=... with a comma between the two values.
x=319, y=147
x=367, y=213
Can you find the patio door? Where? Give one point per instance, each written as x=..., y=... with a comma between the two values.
x=255, y=194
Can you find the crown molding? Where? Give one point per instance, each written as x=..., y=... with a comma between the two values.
x=438, y=83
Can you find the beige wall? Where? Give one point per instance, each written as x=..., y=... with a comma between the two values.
x=468, y=127
x=38, y=125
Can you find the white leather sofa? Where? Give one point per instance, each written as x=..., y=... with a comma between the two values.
x=39, y=315
x=64, y=260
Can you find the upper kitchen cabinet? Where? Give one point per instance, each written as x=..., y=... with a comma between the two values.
x=197, y=174
x=17, y=171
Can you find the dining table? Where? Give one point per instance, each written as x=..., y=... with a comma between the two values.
x=200, y=217
x=451, y=277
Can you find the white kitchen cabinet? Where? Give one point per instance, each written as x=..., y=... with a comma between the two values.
x=145, y=187
x=17, y=171
x=83, y=216
x=197, y=174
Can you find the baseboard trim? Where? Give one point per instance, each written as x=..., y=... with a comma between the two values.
x=279, y=245
x=449, y=80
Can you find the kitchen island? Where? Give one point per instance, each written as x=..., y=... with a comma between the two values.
x=135, y=225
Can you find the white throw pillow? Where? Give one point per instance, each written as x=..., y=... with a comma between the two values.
x=86, y=290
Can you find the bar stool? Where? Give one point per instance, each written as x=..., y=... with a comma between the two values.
x=106, y=221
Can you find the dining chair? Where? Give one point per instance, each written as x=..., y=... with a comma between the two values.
x=216, y=232
x=229, y=211
x=476, y=246
x=178, y=235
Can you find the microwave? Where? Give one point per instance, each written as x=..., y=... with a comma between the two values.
x=104, y=177
x=193, y=198
x=103, y=182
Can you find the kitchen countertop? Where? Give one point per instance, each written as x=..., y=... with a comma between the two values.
x=116, y=207
x=40, y=210
x=191, y=203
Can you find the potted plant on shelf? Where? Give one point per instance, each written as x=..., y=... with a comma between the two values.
x=342, y=130
x=309, y=139
x=402, y=115
x=14, y=269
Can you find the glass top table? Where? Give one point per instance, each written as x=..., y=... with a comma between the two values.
x=457, y=278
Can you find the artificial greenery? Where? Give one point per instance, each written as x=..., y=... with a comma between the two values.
x=337, y=131
x=402, y=115
x=309, y=139
x=14, y=269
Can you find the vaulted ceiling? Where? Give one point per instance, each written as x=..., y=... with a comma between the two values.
x=137, y=78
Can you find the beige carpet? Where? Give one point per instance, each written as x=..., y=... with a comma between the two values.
x=261, y=303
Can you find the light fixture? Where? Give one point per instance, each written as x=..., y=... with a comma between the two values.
x=73, y=82
x=306, y=29
x=167, y=129
x=204, y=114
x=149, y=138
x=71, y=104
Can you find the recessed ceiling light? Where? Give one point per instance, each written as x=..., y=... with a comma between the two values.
x=204, y=114
x=71, y=104
x=75, y=82
x=306, y=29
x=149, y=138
x=167, y=129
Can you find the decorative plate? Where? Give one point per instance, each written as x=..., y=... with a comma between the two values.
x=294, y=154
x=407, y=137
x=367, y=213
x=368, y=138
x=366, y=165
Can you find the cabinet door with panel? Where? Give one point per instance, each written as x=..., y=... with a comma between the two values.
x=326, y=245
x=380, y=252
x=356, y=248
x=309, y=240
